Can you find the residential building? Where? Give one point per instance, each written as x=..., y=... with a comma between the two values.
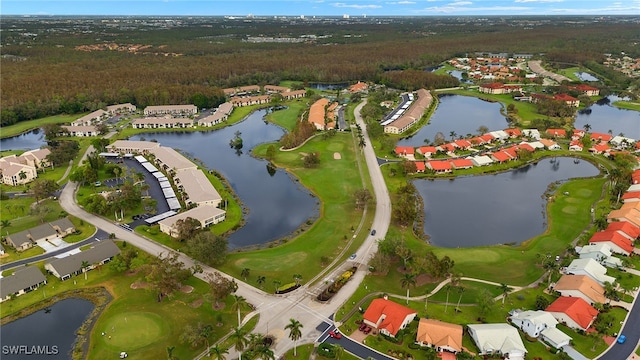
x=121, y=108
x=600, y=252
x=549, y=144
x=14, y=174
x=240, y=101
x=498, y=339
x=171, y=161
x=132, y=147
x=481, y=160
x=166, y=122
x=197, y=188
x=101, y=253
x=26, y=239
x=412, y=115
x=561, y=133
x=581, y=286
x=591, y=268
x=567, y=99
x=205, y=214
x=439, y=166
x=574, y=312
x=407, y=152
x=617, y=242
x=358, y=87
x=498, y=88
x=625, y=229
x=93, y=118
x=183, y=110
x=22, y=281
x=586, y=89
x=296, y=94
x=269, y=89
x=317, y=113
x=532, y=322
x=213, y=119
x=440, y=335
x=81, y=131
x=387, y=316
x=461, y=163
x=555, y=338
x=629, y=212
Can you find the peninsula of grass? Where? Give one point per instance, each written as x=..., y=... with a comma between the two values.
x=333, y=182
x=28, y=125
x=629, y=105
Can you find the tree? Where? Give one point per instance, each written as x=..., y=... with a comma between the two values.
x=610, y=291
x=185, y=228
x=271, y=152
x=297, y=278
x=586, y=127
x=239, y=340
x=541, y=302
x=170, y=350
x=43, y=188
x=461, y=290
x=505, y=291
x=165, y=274
x=338, y=350
x=220, y=287
x=208, y=247
x=85, y=267
x=482, y=129
x=276, y=284
x=217, y=352
x=407, y=281
x=260, y=281
x=5, y=223
x=438, y=139
x=295, y=332
x=196, y=335
x=362, y=198
x=453, y=135
x=22, y=175
x=551, y=266
x=238, y=303
x=245, y=273
x=485, y=302
x=311, y=159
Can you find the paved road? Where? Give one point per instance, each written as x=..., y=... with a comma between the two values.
x=536, y=67
x=354, y=347
x=631, y=329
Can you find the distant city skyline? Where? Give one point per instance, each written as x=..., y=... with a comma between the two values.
x=309, y=8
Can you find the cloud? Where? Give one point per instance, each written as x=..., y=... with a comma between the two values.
x=401, y=3
x=356, y=6
x=538, y=1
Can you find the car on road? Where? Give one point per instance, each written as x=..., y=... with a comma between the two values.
x=335, y=334
x=621, y=339
x=373, y=232
x=352, y=257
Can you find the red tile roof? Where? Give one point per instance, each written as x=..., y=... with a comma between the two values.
x=462, y=144
x=448, y=147
x=631, y=195
x=576, y=308
x=626, y=227
x=501, y=156
x=526, y=146
x=439, y=165
x=420, y=166
x=404, y=150
x=512, y=151
x=461, y=163
x=487, y=138
x=427, y=150
x=614, y=237
x=601, y=137
x=513, y=132
x=600, y=148
x=564, y=97
x=394, y=314
x=557, y=132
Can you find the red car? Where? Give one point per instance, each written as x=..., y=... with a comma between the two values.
x=362, y=327
x=335, y=334
x=367, y=330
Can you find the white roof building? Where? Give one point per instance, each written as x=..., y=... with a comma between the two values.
x=205, y=214
x=499, y=134
x=132, y=147
x=601, y=252
x=501, y=339
x=197, y=188
x=533, y=322
x=555, y=337
x=171, y=160
x=532, y=133
x=591, y=268
x=481, y=160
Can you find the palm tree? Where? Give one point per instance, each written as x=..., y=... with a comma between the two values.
x=586, y=127
x=239, y=340
x=550, y=265
x=276, y=284
x=505, y=291
x=407, y=281
x=218, y=353
x=5, y=223
x=245, y=273
x=453, y=135
x=610, y=291
x=260, y=281
x=22, y=175
x=297, y=278
x=238, y=303
x=338, y=350
x=85, y=266
x=170, y=352
x=460, y=291
x=446, y=304
x=295, y=333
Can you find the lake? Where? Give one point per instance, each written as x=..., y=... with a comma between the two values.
x=584, y=76
x=276, y=204
x=461, y=114
x=502, y=208
x=603, y=116
x=51, y=330
x=33, y=139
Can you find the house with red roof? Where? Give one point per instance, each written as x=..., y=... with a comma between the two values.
x=573, y=311
x=577, y=134
x=501, y=156
x=602, y=148
x=526, y=146
x=462, y=144
x=498, y=88
x=440, y=335
x=617, y=242
x=625, y=229
x=557, y=132
x=512, y=151
x=387, y=316
x=477, y=140
x=487, y=138
x=586, y=89
x=439, y=166
x=420, y=167
x=513, y=132
x=448, y=148
x=461, y=163
x=633, y=196
x=427, y=151
x=635, y=176
x=567, y=99
x=405, y=152
x=358, y=87
x=601, y=137
x=575, y=145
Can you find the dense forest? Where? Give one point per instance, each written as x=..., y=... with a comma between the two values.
x=200, y=59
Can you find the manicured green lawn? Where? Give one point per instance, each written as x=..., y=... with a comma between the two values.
x=334, y=182
x=629, y=105
x=24, y=126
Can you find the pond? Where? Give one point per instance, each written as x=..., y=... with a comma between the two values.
x=33, y=139
x=328, y=86
x=46, y=334
x=276, y=203
x=458, y=75
x=460, y=114
x=584, y=76
x=602, y=116
x=505, y=208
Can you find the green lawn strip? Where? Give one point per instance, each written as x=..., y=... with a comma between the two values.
x=83, y=230
x=470, y=294
x=25, y=126
x=17, y=211
x=625, y=279
x=289, y=117
x=629, y=105
x=571, y=72
x=12, y=255
x=329, y=234
x=583, y=343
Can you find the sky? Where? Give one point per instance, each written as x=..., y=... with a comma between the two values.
x=370, y=8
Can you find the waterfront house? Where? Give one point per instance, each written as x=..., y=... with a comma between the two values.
x=101, y=253
x=23, y=280
x=616, y=241
x=181, y=110
x=206, y=215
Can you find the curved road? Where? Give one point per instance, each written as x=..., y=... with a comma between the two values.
x=274, y=310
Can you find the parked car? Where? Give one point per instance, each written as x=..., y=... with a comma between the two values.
x=367, y=330
x=621, y=339
x=362, y=327
x=335, y=334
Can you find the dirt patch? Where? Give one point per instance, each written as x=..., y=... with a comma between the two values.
x=197, y=303
x=187, y=289
x=219, y=306
x=423, y=279
x=139, y=285
x=132, y=272
x=337, y=156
